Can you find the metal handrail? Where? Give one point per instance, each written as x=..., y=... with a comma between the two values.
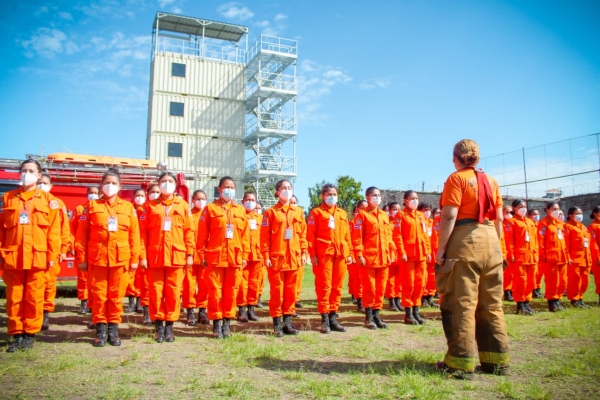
x=286, y=123
x=273, y=44
x=208, y=51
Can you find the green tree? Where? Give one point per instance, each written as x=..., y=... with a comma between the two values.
x=349, y=193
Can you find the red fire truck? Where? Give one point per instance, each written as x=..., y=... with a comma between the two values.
x=72, y=174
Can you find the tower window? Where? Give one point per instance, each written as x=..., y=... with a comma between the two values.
x=175, y=149
x=178, y=69
x=176, y=109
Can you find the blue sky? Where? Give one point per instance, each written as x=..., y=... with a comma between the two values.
x=386, y=87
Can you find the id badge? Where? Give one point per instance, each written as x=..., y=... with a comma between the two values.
x=424, y=227
x=429, y=232
x=331, y=222
x=288, y=234
x=229, y=232
x=527, y=237
x=560, y=235
x=113, y=226
x=167, y=222
x=586, y=243
x=24, y=218
x=252, y=224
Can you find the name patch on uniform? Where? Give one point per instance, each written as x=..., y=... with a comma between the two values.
x=82, y=218
x=311, y=221
x=265, y=222
x=142, y=217
x=543, y=231
x=54, y=204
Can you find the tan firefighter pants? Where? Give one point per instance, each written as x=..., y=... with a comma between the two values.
x=470, y=284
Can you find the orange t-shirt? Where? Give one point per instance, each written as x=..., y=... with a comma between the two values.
x=460, y=190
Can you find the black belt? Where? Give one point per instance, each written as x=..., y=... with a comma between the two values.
x=465, y=221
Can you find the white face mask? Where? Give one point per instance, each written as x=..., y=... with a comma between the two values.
x=250, y=205
x=579, y=218
x=536, y=218
x=375, y=201
x=228, y=194
x=561, y=217
x=412, y=204
x=507, y=216
x=167, y=188
x=139, y=200
x=110, y=190
x=522, y=211
x=259, y=210
x=393, y=213
x=427, y=214
x=153, y=196
x=286, y=194
x=200, y=204
x=44, y=187
x=28, y=178
x=554, y=214
x=331, y=200
x=92, y=196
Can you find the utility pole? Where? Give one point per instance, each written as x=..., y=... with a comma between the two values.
x=525, y=173
x=422, y=186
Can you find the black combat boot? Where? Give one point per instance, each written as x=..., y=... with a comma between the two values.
x=399, y=304
x=325, y=324
x=191, y=318
x=409, y=319
x=582, y=304
x=146, y=314
x=252, y=315
x=560, y=306
x=169, y=335
x=217, y=329
x=528, y=307
x=575, y=304
x=432, y=303
x=359, y=305
x=277, y=327
x=369, y=323
x=100, y=340
x=353, y=299
x=28, y=341
x=159, y=336
x=599, y=300
x=493, y=369
x=15, y=345
x=46, y=322
x=202, y=318
x=241, y=315
x=417, y=316
x=131, y=305
x=298, y=304
x=537, y=294
x=508, y=296
x=393, y=306
x=226, y=328
x=138, y=306
x=334, y=325
x=84, y=307
x=258, y=303
x=552, y=306
x=288, y=328
x=378, y=321
x=113, y=334
x=424, y=301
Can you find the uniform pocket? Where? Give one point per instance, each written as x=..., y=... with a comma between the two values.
x=178, y=254
x=123, y=252
x=442, y=274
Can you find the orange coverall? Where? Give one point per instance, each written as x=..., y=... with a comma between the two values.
x=521, y=244
x=167, y=251
x=30, y=239
x=250, y=283
x=110, y=253
x=137, y=286
x=372, y=239
x=553, y=256
x=577, y=241
x=285, y=255
x=595, y=248
x=193, y=275
x=508, y=271
x=65, y=243
x=434, y=240
x=328, y=239
x=354, y=286
x=412, y=240
x=83, y=286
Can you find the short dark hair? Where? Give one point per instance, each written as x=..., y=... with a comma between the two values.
x=408, y=193
x=112, y=172
x=517, y=202
x=31, y=161
x=423, y=206
x=370, y=190
x=225, y=179
x=325, y=188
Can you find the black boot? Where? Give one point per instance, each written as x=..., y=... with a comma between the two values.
x=552, y=306
x=46, y=322
x=28, y=341
x=424, y=301
x=575, y=303
x=91, y=325
x=131, y=305
x=113, y=334
x=432, y=303
x=15, y=345
x=582, y=304
x=138, y=306
x=378, y=321
x=324, y=324
x=333, y=324
x=409, y=319
x=417, y=316
x=510, y=296
x=251, y=315
x=146, y=314
x=399, y=304
x=560, y=306
x=202, y=318
x=159, y=336
x=359, y=305
x=169, y=335
x=393, y=306
x=191, y=318
x=369, y=323
x=599, y=300
x=100, y=340
x=528, y=307
x=227, y=328
x=277, y=327
x=259, y=304
x=84, y=307
x=298, y=304
x=436, y=295
x=241, y=314
x=217, y=329
x=288, y=328
x=353, y=299
x=537, y=294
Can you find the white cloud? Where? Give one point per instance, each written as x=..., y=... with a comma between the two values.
x=48, y=42
x=378, y=83
x=65, y=15
x=280, y=17
x=263, y=24
x=41, y=10
x=164, y=3
x=235, y=11
x=176, y=10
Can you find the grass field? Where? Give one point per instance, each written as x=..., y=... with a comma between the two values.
x=553, y=356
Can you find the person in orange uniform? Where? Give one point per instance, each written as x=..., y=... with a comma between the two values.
x=45, y=185
x=553, y=255
x=522, y=253
x=294, y=201
x=374, y=250
x=170, y=247
x=251, y=274
x=508, y=271
x=414, y=252
x=202, y=291
x=594, y=230
x=579, y=257
x=136, y=277
x=393, y=290
x=329, y=247
x=30, y=241
x=284, y=248
x=108, y=238
x=223, y=245
x=428, y=286
x=83, y=284
x=354, y=285
x=534, y=215
x=141, y=276
x=263, y=274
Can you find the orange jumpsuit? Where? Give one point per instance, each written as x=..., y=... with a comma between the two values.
x=223, y=244
x=539, y=273
x=169, y=239
x=283, y=242
x=553, y=256
x=434, y=240
x=192, y=276
x=412, y=240
x=65, y=242
x=83, y=286
x=140, y=281
x=250, y=284
x=577, y=240
x=354, y=286
x=328, y=239
x=110, y=252
x=30, y=239
x=372, y=239
x=594, y=230
x=521, y=244
x=508, y=271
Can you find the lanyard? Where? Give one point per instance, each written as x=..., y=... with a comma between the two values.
x=167, y=210
x=108, y=209
x=227, y=211
x=287, y=216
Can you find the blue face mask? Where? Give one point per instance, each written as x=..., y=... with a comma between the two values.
x=228, y=194
x=579, y=218
x=331, y=200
